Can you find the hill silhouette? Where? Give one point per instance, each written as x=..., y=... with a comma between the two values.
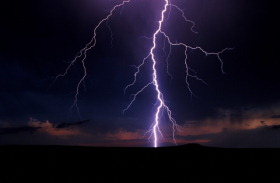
x=186, y=163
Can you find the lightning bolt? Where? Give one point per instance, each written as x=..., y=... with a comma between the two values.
x=161, y=106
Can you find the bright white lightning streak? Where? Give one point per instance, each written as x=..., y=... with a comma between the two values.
x=83, y=54
x=161, y=104
x=155, y=130
x=155, y=82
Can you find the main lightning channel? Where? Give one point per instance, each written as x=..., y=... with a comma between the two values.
x=161, y=105
x=160, y=99
x=155, y=129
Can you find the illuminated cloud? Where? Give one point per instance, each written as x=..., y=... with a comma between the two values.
x=50, y=129
x=254, y=127
x=229, y=121
x=124, y=135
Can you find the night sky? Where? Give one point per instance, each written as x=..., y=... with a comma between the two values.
x=38, y=39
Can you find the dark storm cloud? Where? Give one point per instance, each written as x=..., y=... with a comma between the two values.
x=275, y=127
x=254, y=121
x=262, y=137
x=76, y=133
x=66, y=125
x=276, y=116
x=263, y=123
x=16, y=130
x=33, y=128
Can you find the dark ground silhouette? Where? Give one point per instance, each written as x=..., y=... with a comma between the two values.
x=188, y=163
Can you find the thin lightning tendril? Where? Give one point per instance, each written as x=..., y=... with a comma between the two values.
x=161, y=106
x=82, y=54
